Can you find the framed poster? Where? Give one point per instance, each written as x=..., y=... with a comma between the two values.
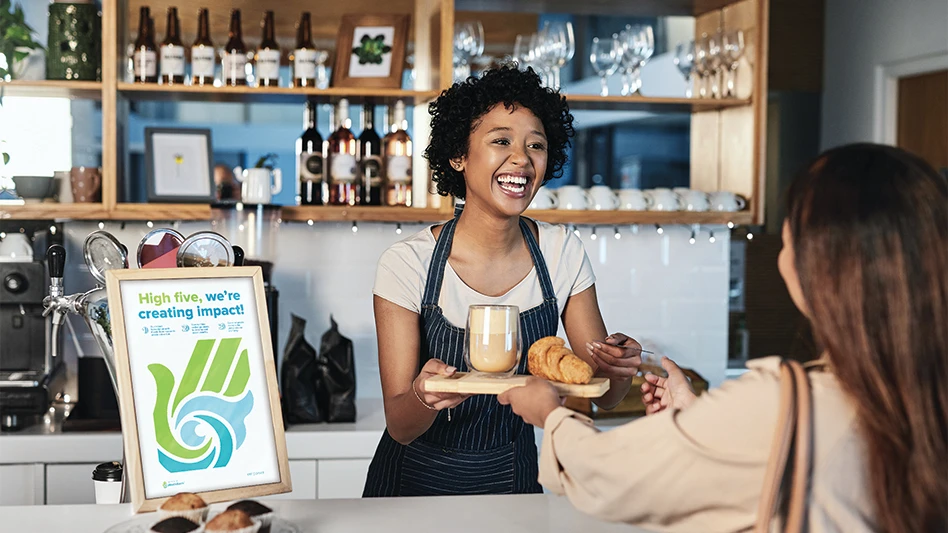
x=178, y=165
x=370, y=51
x=199, y=402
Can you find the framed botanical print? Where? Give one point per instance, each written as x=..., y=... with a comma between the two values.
x=178, y=165
x=370, y=51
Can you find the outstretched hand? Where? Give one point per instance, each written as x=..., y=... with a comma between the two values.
x=660, y=393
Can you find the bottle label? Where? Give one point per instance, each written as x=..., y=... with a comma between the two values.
x=343, y=168
x=172, y=60
x=268, y=64
x=399, y=168
x=146, y=64
x=202, y=61
x=304, y=64
x=311, y=166
x=234, y=66
x=372, y=169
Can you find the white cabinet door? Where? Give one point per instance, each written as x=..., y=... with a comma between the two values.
x=303, y=476
x=22, y=484
x=69, y=484
x=342, y=478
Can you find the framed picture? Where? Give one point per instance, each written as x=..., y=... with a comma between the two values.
x=197, y=384
x=178, y=165
x=370, y=51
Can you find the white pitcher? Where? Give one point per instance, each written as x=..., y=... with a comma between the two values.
x=256, y=186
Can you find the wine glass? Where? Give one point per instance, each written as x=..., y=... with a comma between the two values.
x=644, y=42
x=628, y=59
x=563, y=47
x=702, y=65
x=716, y=60
x=604, y=55
x=685, y=61
x=733, y=42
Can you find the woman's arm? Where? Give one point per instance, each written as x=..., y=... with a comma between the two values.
x=583, y=323
x=399, y=339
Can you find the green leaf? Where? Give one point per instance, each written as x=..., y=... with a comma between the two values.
x=6, y=158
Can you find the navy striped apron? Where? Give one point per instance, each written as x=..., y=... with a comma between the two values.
x=484, y=448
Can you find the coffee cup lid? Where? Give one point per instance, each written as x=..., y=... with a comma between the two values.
x=111, y=471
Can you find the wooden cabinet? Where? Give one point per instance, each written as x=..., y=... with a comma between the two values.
x=727, y=135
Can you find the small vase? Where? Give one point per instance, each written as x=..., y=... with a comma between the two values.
x=32, y=67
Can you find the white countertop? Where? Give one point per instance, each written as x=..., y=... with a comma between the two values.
x=457, y=514
x=46, y=443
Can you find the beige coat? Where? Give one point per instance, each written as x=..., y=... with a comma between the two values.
x=701, y=469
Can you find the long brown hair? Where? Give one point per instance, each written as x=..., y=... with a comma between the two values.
x=869, y=226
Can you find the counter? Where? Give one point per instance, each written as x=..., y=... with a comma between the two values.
x=533, y=513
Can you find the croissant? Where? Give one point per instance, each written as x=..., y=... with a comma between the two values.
x=549, y=358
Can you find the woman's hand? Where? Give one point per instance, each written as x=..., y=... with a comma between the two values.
x=437, y=400
x=660, y=393
x=533, y=401
x=618, y=357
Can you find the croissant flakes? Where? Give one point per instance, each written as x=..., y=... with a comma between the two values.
x=549, y=358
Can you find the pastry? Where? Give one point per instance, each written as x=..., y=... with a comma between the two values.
x=549, y=358
x=175, y=524
x=257, y=512
x=185, y=505
x=232, y=521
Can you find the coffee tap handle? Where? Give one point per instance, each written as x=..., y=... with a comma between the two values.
x=56, y=260
x=238, y=256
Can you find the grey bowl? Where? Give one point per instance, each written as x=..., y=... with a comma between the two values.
x=33, y=187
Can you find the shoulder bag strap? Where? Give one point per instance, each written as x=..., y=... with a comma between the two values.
x=793, y=431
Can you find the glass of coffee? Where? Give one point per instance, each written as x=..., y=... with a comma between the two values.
x=492, y=340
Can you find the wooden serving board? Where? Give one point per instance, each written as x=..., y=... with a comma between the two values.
x=465, y=383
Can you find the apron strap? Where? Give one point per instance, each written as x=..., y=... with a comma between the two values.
x=438, y=261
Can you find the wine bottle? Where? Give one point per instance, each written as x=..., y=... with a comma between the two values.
x=145, y=59
x=397, y=149
x=203, y=60
x=310, y=159
x=370, y=150
x=344, y=187
x=268, y=55
x=304, y=55
x=234, y=62
x=172, y=51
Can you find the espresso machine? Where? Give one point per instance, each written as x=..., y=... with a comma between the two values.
x=30, y=375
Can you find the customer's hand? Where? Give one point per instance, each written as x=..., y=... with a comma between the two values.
x=533, y=401
x=618, y=357
x=437, y=400
x=660, y=393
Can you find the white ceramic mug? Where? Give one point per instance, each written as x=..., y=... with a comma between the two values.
x=664, y=200
x=602, y=198
x=16, y=247
x=63, y=186
x=634, y=200
x=545, y=199
x=256, y=186
x=573, y=197
x=692, y=200
x=727, y=201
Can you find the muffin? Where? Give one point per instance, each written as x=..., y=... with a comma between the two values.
x=175, y=524
x=232, y=521
x=185, y=505
x=257, y=511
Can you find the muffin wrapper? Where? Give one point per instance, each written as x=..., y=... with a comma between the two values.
x=198, y=516
x=249, y=529
x=200, y=528
x=265, y=520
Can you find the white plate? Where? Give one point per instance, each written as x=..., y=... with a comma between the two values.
x=141, y=524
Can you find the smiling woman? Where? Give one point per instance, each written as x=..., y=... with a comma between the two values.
x=494, y=141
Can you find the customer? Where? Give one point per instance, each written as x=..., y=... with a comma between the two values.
x=865, y=259
x=494, y=141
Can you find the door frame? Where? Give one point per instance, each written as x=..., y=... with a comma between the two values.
x=885, y=114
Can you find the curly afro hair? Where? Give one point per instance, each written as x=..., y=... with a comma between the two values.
x=459, y=109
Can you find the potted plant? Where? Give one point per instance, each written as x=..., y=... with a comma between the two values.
x=16, y=40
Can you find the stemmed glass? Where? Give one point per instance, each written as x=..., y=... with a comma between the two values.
x=604, y=56
x=685, y=61
x=733, y=43
x=468, y=43
x=716, y=61
x=562, y=47
x=702, y=65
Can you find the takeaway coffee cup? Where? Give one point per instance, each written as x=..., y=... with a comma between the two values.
x=108, y=482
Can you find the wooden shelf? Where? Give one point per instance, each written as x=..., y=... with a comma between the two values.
x=205, y=93
x=618, y=218
x=363, y=214
x=612, y=8
x=53, y=211
x=646, y=103
x=53, y=88
x=161, y=212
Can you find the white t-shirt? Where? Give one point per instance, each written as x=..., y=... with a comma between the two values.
x=403, y=271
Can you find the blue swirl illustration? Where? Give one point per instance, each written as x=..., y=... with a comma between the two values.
x=224, y=417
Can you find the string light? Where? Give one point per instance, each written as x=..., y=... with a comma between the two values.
x=240, y=227
x=692, y=240
x=151, y=224
x=355, y=227
x=617, y=235
x=593, y=234
x=52, y=230
x=711, y=238
x=695, y=230
x=398, y=229
x=101, y=225
x=310, y=222
x=575, y=231
x=730, y=225
x=659, y=229
x=750, y=236
x=3, y=235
